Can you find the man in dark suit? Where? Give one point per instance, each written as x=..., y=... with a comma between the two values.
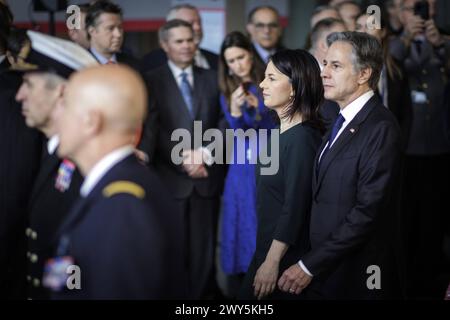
x=203, y=58
x=49, y=63
x=353, y=228
x=105, y=34
x=264, y=28
x=121, y=232
x=19, y=162
x=180, y=94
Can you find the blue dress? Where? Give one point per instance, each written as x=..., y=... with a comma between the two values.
x=238, y=227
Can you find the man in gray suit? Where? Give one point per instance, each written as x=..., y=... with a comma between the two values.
x=181, y=93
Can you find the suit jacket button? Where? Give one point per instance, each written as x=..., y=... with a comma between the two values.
x=28, y=232
x=33, y=258
x=28, y=278
x=34, y=235
x=425, y=86
x=36, y=282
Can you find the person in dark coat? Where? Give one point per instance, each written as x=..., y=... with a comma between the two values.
x=19, y=163
x=354, y=221
x=182, y=96
x=49, y=63
x=121, y=233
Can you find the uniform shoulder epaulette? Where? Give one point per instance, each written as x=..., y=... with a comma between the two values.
x=128, y=187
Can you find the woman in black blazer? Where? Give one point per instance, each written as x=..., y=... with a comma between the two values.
x=293, y=88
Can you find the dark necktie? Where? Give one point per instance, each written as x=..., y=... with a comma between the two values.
x=336, y=127
x=186, y=91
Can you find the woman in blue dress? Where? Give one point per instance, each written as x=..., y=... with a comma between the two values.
x=242, y=104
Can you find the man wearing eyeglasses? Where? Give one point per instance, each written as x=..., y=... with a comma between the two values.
x=265, y=31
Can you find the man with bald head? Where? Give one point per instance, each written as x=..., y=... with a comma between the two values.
x=115, y=233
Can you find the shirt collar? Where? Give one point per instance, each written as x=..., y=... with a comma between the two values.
x=176, y=71
x=101, y=58
x=352, y=109
x=102, y=167
x=263, y=53
x=52, y=144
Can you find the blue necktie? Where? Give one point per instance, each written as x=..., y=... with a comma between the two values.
x=336, y=127
x=186, y=91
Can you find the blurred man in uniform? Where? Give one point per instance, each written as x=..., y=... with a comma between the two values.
x=47, y=65
x=120, y=233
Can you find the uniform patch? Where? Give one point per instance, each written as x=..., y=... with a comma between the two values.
x=124, y=187
x=65, y=172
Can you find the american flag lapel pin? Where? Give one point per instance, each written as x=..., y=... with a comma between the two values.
x=352, y=130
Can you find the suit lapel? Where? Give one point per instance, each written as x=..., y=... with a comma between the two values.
x=48, y=167
x=198, y=80
x=345, y=137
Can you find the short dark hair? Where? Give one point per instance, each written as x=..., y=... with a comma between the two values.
x=304, y=73
x=163, y=32
x=97, y=8
x=366, y=52
x=6, y=19
x=256, y=9
x=322, y=26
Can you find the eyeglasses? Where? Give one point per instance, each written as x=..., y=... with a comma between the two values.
x=262, y=26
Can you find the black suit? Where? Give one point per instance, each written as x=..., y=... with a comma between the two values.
x=19, y=163
x=197, y=198
x=47, y=209
x=158, y=57
x=353, y=219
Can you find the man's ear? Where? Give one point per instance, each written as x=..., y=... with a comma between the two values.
x=364, y=75
x=163, y=45
x=93, y=121
x=90, y=31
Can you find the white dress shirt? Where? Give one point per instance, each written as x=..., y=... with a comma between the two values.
x=349, y=113
x=101, y=59
x=52, y=144
x=2, y=57
x=176, y=71
x=102, y=167
x=264, y=53
x=200, y=60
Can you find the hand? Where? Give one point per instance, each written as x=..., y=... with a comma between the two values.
x=193, y=163
x=414, y=26
x=252, y=100
x=265, y=279
x=236, y=101
x=294, y=280
x=432, y=33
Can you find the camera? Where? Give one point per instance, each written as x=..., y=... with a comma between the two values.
x=422, y=9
